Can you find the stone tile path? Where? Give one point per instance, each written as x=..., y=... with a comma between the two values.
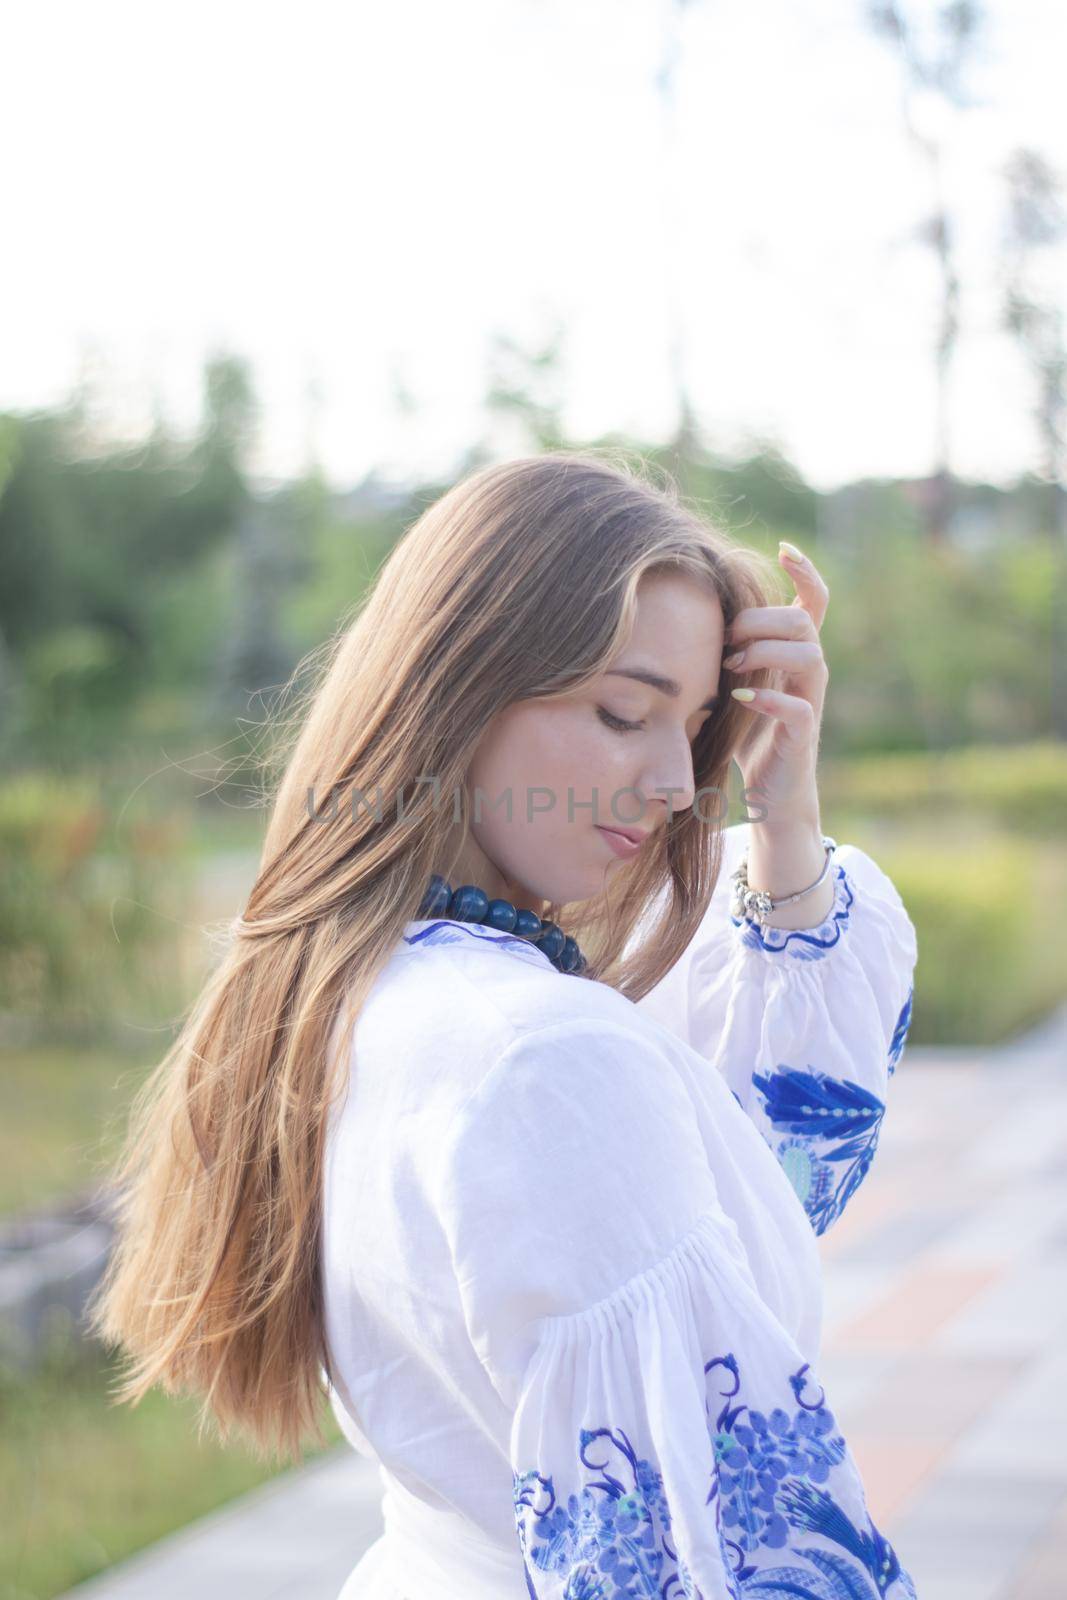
x=945, y=1336
x=944, y=1358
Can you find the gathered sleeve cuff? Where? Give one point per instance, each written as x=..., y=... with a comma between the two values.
x=807, y=1025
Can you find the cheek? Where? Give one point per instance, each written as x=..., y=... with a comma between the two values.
x=549, y=747
x=510, y=757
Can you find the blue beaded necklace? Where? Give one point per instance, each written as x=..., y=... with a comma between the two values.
x=468, y=903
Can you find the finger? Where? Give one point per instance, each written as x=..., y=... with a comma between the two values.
x=798, y=657
x=775, y=622
x=812, y=589
x=793, y=710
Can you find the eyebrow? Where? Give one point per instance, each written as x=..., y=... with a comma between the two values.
x=665, y=685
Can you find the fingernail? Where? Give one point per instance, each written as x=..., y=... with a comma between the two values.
x=743, y=694
x=791, y=550
x=734, y=660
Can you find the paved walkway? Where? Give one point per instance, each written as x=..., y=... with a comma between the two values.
x=944, y=1358
x=945, y=1340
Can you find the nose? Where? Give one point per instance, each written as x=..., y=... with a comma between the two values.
x=668, y=784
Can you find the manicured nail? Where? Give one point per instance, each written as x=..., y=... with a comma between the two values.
x=734, y=660
x=791, y=550
x=743, y=694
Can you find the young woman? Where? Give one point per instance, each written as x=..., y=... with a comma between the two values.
x=510, y=1133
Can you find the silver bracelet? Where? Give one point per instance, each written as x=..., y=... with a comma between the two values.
x=756, y=904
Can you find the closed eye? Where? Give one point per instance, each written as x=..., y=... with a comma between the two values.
x=621, y=726
x=617, y=722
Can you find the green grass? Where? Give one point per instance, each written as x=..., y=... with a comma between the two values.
x=62, y=1107
x=85, y=1483
x=988, y=968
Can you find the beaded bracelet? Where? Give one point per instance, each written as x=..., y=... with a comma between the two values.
x=756, y=904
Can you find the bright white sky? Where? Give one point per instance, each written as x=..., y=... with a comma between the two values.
x=356, y=196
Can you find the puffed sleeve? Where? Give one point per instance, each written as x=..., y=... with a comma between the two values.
x=807, y=1025
x=666, y=1435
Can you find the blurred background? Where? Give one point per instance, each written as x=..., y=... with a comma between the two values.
x=274, y=278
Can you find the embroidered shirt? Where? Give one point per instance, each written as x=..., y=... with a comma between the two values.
x=572, y=1287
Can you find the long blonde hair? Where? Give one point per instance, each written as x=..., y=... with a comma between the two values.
x=519, y=581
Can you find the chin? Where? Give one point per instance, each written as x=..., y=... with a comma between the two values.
x=583, y=881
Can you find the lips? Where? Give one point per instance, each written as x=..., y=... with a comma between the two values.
x=634, y=835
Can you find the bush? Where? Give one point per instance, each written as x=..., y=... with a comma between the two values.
x=78, y=934
x=986, y=967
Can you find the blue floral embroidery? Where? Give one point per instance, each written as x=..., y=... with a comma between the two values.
x=770, y=1469
x=452, y=932
x=814, y=1109
x=803, y=944
x=612, y=1541
x=604, y=1541
x=900, y=1033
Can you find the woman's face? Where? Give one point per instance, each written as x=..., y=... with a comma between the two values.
x=617, y=753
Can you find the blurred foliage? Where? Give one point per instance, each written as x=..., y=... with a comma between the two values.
x=987, y=969
x=81, y=945
x=64, y=1107
x=90, y=538
x=974, y=839
x=136, y=578
x=1022, y=787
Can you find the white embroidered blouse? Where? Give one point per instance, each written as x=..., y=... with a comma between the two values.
x=572, y=1290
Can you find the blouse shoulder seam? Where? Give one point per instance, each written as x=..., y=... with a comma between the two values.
x=522, y=1036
